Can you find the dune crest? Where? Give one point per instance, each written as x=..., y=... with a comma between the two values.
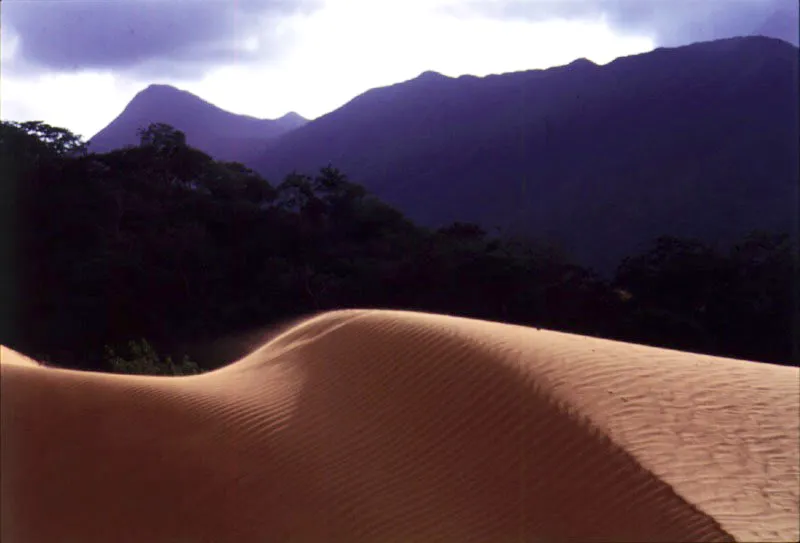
x=376, y=425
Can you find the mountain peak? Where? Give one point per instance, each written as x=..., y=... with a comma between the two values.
x=581, y=63
x=155, y=86
x=162, y=94
x=430, y=75
x=291, y=120
x=162, y=89
x=220, y=133
x=292, y=116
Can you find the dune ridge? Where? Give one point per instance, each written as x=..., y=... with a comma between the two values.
x=378, y=425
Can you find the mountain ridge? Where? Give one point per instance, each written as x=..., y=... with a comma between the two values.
x=218, y=132
x=537, y=151
x=648, y=138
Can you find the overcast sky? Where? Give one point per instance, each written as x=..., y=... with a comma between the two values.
x=76, y=63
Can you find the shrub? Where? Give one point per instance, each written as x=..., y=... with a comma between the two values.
x=142, y=359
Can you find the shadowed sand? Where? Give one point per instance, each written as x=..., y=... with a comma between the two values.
x=366, y=425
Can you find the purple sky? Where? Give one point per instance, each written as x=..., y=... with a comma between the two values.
x=669, y=22
x=144, y=35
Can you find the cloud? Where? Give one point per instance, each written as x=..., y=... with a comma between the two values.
x=145, y=36
x=669, y=22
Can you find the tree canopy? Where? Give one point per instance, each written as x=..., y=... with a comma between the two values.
x=162, y=242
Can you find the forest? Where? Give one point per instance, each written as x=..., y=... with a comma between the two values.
x=159, y=247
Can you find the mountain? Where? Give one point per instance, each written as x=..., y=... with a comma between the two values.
x=223, y=135
x=782, y=23
x=698, y=140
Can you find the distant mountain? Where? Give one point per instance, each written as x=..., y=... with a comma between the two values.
x=699, y=140
x=223, y=135
x=782, y=23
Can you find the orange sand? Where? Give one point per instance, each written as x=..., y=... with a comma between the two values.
x=364, y=425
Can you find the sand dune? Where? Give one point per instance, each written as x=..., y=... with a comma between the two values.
x=364, y=425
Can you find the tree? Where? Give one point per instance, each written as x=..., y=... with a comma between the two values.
x=463, y=231
x=60, y=140
x=163, y=137
x=676, y=273
x=177, y=246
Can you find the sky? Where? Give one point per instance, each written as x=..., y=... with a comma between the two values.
x=77, y=63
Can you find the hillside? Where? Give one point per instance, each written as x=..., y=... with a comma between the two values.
x=697, y=141
x=224, y=135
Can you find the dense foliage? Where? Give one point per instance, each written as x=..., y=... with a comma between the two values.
x=160, y=241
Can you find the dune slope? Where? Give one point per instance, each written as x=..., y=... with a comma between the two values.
x=387, y=425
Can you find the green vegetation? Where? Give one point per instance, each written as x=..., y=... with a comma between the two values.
x=142, y=359
x=160, y=241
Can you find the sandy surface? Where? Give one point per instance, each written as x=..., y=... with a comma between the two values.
x=397, y=426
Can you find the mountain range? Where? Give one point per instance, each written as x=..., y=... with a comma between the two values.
x=697, y=141
x=224, y=135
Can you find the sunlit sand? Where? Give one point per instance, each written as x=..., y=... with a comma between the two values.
x=366, y=425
